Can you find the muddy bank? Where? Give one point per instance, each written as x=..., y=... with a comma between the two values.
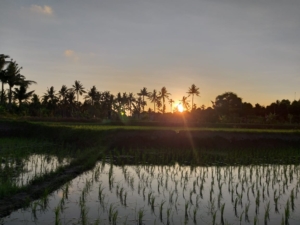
x=35, y=191
x=200, y=139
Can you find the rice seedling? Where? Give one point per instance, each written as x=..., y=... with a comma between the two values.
x=287, y=212
x=161, y=209
x=267, y=213
x=214, y=215
x=195, y=215
x=255, y=221
x=140, y=216
x=241, y=217
x=186, y=207
x=222, y=213
x=57, y=217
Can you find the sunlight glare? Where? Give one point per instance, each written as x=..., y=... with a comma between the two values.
x=180, y=108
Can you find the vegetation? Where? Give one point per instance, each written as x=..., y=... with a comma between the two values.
x=104, y=106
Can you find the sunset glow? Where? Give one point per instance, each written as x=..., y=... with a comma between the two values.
x=180, y=108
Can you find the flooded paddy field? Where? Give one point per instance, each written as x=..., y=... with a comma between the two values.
x=171, y=194
x=148, y=177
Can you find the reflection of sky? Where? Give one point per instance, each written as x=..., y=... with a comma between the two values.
x=150, y=176
x=248, y=47
x=34, y=166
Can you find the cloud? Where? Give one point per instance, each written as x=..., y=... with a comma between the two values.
x=47, y=10
x=71, y=54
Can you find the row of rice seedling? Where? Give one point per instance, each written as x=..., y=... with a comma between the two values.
x=174, y=194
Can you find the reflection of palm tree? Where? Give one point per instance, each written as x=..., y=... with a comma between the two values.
x=144, y=93
x=163, y=94
x=78, y=88
x=185, y=102
x=193, y=90
x=153, y=97
x=171, y=101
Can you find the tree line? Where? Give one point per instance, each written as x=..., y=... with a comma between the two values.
x=65, y=103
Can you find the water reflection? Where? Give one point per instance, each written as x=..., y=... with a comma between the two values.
x=22, y=171
x=110, y=194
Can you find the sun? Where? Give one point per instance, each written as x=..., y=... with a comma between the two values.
x=180, y=108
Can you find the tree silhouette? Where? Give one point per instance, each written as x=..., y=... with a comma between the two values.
x=193, y=90
x=3, y=76
x=163, y=94
x=228, y=104
x=143, y=93
x=93, y=95
x=171, y=101
x=78, y=88
x=153, y=97
x=131, y=100
x=185, y=102
x=15, y=78
x=62, y=93
x=21, y=94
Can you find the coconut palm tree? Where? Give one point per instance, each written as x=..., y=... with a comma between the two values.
x=144, y=93
x=125, y=101
x=163, y=94
x=93, y=95
x=153, y=97
x=3, y=77
x=21, y=94
x=62, y=93
x=78, y=89
x=185, y=102
x=50, y=99
x=15, y=78
x=131, y=100
x=171, y=101
x=158, y=104
x=50, y=96
x=193, y=90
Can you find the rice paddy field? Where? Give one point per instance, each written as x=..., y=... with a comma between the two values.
x=131, y=175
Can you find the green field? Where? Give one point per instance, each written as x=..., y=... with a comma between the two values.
x=38, y=158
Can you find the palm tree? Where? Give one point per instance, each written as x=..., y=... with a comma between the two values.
x=50, y=99
x=78, y=88
x=144, y=93
x=62, y=93
x=193, y=90
x=3, y=77
x=124, y=101
x=163, y=94
x=158, y=104
x=185, y=102
x=15, y=78
x=93, y=95
x=153, y=97
x=171, y=101
x=35, y=105
x=21, y=94
x=131, y=100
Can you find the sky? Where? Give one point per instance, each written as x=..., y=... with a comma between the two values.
x=249, y=47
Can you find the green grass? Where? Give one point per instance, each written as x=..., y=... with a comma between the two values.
x=99, y=127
